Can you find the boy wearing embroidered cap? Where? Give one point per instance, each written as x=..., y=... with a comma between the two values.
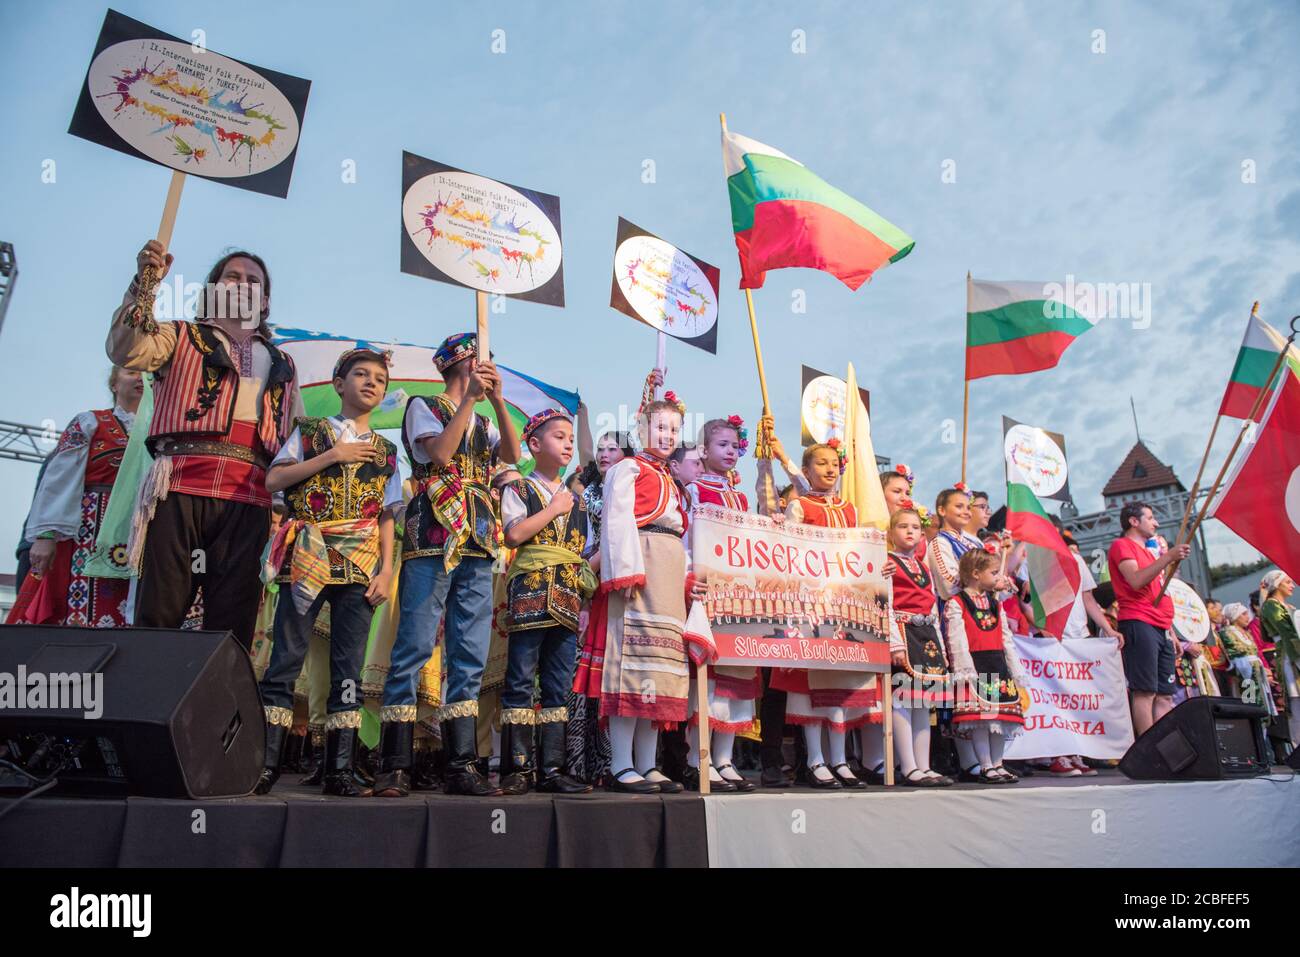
x=342, y=488
x=545, y=587
x=449, y=543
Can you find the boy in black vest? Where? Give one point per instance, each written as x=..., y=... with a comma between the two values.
x=342, y=489
x=545, y=587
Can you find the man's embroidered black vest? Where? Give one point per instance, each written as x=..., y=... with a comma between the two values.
x=549, y=597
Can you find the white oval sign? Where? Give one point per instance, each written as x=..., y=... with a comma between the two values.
x=199, y=112
x=481, y=233
x=1032, y=454
x=665, y=287
x=1191, y=620
x=824, y=408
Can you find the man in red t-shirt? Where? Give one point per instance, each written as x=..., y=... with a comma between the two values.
x=1136, y=574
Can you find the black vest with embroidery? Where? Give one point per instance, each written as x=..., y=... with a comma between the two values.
x=472, y=463
x=549, y=597
x=340, y=492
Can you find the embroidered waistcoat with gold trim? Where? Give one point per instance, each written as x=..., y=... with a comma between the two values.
x=549, y=597
x=341, y=492
x=472, y=464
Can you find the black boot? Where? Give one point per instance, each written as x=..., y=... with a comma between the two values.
x=315, y=758
x=463, y=775
x=395, y=742
x=550, y=742
x=275, y=735
x=291, y=757
x=424, y=776
x=516, y=758
x=340, y=750
x=367, y=762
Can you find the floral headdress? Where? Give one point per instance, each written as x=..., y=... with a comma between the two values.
x=671, y=397
x=742, y=433
x=904, y=471
x=840, y=451
x=921, y=511
x=961, y=487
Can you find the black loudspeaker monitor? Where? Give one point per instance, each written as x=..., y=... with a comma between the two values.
x=1203, y=738
x=178, y=711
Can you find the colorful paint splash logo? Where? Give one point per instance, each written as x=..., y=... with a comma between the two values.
x=530, y=247
x=1032, y=454
x=665, y=287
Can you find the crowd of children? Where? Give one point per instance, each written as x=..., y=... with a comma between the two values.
x=558, y=620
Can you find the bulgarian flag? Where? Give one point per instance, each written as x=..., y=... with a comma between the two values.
x=1015, y=327
x=785, y=215
x=1255, y=359
x=411, y=373
x=1053, y=570
x=1261, y=499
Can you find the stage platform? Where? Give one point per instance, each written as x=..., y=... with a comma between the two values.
x=1105, y=821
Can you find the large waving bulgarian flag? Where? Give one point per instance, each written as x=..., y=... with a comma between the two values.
x=1255, y=359
x=411, y=373
x=1053, y=570
x=785, y=215
x=1015, y=327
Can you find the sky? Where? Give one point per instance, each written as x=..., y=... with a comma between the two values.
x=1011, y=140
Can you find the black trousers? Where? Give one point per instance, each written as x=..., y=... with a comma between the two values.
x=350, y=614
x=771, y=717
x=193, y=541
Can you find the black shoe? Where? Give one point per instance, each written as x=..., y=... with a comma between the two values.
x=815, y=782
x=459, y=736
x=740, y=786
x=631, y=787
x=667, y=785
x=844, y=774
x=967, y=776
x=1008, y=773
x=423, y=776
x=291, y=758
x=992, y=776
x=691, y=782
x=516, y=759
x=550, y=750
x=340, y=758
x=774, y=778
x=396, y=783
x=275, y=742
x=875, y=776
x=919, y=779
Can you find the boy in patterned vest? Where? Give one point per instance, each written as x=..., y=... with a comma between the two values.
x=545, y=587
x=449, y=543
x=342, y=490
x=225, y=399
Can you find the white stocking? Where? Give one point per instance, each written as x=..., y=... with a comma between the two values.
x=812, y=737
x=723, y=743
x=903, y=739
x=996, y=744
x=646, y=745
x=921, y=739
x=835, y=744
x=980, y=743
x=966, y=754
x=622, y=731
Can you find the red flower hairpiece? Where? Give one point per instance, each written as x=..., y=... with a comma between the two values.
x=904, y=471
x=960, y=486
x=840, y=451
x=742, y=433
x=671, y=396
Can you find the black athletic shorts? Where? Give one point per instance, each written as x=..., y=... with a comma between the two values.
x=1148, y=657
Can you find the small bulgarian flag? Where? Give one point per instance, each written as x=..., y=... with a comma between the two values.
x=1015, y=327
x=1255, y=360
x=1053, y=570
x=785, y=215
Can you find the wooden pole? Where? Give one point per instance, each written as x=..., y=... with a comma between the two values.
x=965, y=398
x=887, y=704
x=661, y=363
x=1246, y=423
x=149, y=278
x=481, y=330
x=702, y=711
x=753, y=324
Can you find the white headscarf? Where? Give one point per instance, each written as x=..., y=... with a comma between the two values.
x=1270, y=581
x=1233, y=611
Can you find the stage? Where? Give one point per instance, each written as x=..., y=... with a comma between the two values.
x=1104, y=821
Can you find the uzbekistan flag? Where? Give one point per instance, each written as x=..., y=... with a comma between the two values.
x=784, y=215
x=1255, y=360
x=411, y=373
x=1015, y=327
x=1053, y=570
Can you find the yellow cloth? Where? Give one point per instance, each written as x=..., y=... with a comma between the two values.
x=357, y=540
x=535, y=557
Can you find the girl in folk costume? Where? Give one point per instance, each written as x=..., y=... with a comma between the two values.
x=66, y=513
x=645, y=681
x=985, y=664
x=1244, y=660
x=732, y=690
x=1278, y=625
x=917, y=652
x=833, y=701
x=586, y=742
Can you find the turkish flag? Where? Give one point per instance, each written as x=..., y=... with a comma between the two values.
x=1261, y=501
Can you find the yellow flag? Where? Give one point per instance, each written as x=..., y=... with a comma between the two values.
x=861, y=482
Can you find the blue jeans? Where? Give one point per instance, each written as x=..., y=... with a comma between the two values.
x=424, y=590
x=350, y=615
x=555, y=651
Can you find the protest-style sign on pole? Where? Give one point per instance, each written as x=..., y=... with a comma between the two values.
x=1038, y=457
x=1246, y=425
x=156, y=97
x=480, y=233
x=823, y=407
x=666, y=288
